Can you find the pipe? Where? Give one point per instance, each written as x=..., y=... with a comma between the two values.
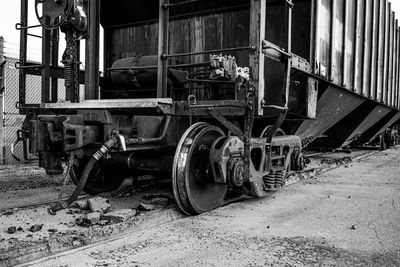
x=85, y=175
x=136, y=141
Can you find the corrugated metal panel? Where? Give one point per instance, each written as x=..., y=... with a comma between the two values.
x=367, y=47
x=357, y=47
x=386, y=53
x=359, y=50
x=396, y=97
x=381, y=50
x=350, y=44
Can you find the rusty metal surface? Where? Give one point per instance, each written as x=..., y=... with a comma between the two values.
x=356, y=47
x=112, y=104
x=381, y=126
x=374, y=117
x=333, y=106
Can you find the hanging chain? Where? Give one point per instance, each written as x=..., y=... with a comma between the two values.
x=71, y=63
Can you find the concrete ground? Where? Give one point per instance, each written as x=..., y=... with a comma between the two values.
x=349, y=216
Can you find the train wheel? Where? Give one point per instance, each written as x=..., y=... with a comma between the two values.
x=101, y=179
x=193, y=186
x=266, y=130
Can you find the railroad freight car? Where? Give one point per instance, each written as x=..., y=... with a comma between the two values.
x=221, y=95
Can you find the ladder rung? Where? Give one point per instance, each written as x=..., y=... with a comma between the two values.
x=275, y=52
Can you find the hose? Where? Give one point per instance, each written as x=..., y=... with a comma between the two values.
x=82, y=181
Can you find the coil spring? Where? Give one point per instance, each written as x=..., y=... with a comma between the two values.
x=274, y=180
x=69, y=75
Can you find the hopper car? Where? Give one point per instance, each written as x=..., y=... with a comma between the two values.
x=221, y=95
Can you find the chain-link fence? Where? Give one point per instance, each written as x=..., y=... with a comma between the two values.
x=12, y=120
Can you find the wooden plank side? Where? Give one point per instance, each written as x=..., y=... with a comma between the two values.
x=186, y=35
x=374, y=49
x=301, y=28
x=236, y=28
x=386, y=53
x=359, y=51
x=367, y=48
x=276, y=33
x=380, y=55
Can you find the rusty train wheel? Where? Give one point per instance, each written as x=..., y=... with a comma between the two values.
x=194, y=189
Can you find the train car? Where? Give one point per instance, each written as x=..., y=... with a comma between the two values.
x=221, y=95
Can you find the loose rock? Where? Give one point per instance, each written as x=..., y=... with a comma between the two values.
x=36, y=228
x=11, y=230
x=119, y=215
x=93, y=217
x=145, y=207
x=81, y=204
x=99, y=204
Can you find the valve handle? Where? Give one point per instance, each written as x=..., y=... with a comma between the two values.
x=55, y=12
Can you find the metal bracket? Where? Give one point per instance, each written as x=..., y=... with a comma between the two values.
x=21, y=137
x=230, y=126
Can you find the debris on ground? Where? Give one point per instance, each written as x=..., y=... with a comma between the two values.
x=11, y=230
x=80, y=204
x=93, y=217
x=145, y=207
x=98, y=204
x=341, y=161
x=119, y=216
x=83, y=222
x=353, y=227
x=36, y=228
x=102, y=222
x=160, y=199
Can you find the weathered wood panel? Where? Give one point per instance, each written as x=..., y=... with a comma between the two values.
x=214, y=31
x=275, y=32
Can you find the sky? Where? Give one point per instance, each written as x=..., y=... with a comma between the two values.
x=10, y=14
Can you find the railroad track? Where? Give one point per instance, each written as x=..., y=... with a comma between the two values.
x=293, y=178
x=126, y=197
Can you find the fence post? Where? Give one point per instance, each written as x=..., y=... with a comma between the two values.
x=2, y=103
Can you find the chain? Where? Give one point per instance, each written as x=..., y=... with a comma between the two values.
x=70, y=60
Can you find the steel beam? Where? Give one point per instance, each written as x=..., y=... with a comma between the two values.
x=93, y=52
